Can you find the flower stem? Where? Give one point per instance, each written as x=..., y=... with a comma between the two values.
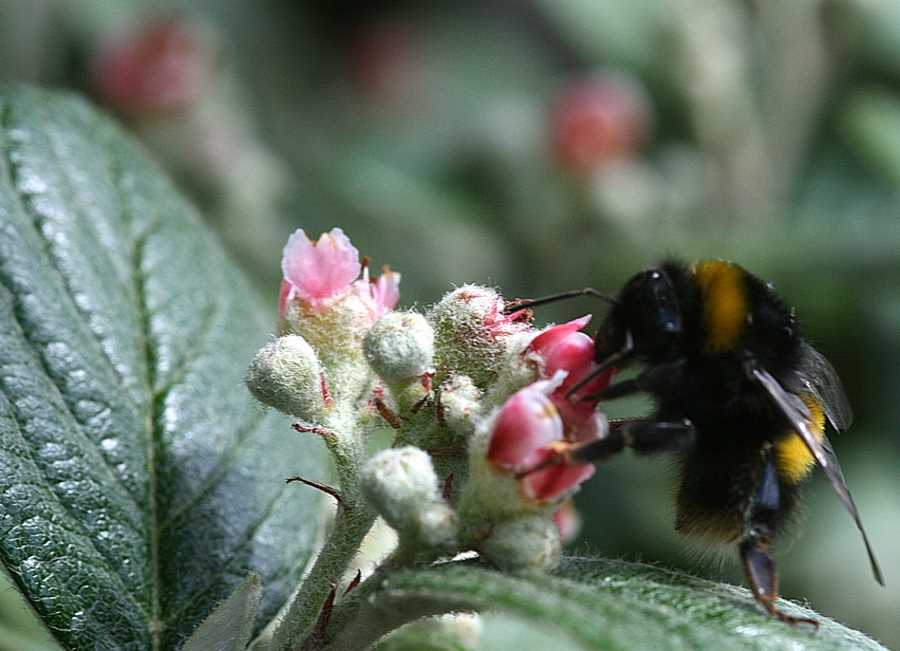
x=351, y=524
x=367, y=614
x=350, y=527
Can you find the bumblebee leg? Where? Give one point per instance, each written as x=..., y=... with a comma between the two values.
x=642, y=436
x=650, y=379
x=759, y=566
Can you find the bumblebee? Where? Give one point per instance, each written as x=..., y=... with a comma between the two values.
x=740, y=397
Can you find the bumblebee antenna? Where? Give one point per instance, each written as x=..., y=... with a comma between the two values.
x=524, y=304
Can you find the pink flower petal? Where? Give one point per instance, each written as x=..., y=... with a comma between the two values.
x=567, y=520
x=554, y=334
x=554, y=481
x=527, y=422
x=317, y=271
x=565, y=347
x=283, y=293
x=386, y=290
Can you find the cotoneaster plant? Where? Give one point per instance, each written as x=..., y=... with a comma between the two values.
x=470, y=393
x=143, y=493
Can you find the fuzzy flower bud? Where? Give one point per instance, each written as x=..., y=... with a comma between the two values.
x=472, y=333
x=400, y=483
x=285, y=374
x=400, y=347
x=529, y=542
x=460, y=404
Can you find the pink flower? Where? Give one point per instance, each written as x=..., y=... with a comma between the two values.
x=523, y=436
x=316, y=271
x=386, y=63
x=283, y=292
x=568, y=521
x=384, y=291
x=565, y=348
x=163, y=66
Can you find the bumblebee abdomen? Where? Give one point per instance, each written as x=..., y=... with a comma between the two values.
x=713, y=494
x=793, y=460
x=719, y=483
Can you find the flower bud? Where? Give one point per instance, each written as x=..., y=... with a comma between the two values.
x=285, y=374
x=529, y=542
x=471, y=333
x=456, y=631
x=400, y=347
x=400, y=483
x=460, y=404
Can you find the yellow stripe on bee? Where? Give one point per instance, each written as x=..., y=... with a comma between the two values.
x=724, y=302
x=793, y=460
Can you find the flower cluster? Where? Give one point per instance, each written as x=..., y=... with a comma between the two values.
x=477, y=399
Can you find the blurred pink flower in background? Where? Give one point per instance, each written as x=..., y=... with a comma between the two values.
x=598, y=120
x=161, y=65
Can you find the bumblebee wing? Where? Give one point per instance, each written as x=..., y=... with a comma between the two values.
x=797, y=414
x=817, y=376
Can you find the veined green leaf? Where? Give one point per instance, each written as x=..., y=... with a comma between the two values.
x=139, y=483
x=230, y=626
x=614, y=605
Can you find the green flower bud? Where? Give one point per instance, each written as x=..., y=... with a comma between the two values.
x=334, y=329
x=461, y=404
x=472, y=333
x=525, y=543
x=400, y=347
x=285, y=374
x=400, y=483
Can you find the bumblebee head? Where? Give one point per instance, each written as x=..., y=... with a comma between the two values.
x=645, y=321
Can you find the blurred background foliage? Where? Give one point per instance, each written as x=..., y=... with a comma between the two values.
x=542, y=145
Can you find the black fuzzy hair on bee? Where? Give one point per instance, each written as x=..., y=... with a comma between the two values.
x=741, y=400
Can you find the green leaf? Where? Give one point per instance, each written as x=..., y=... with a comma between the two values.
x=230, y=626
x=615, y=605
x=139, y=484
